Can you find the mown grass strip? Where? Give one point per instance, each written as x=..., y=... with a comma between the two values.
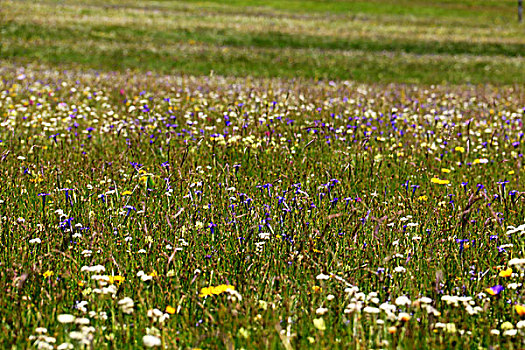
x=307, y=63
x=270, y=39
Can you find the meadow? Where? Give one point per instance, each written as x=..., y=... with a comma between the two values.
x=223, y=212
x=409, y=41
x=176, y=175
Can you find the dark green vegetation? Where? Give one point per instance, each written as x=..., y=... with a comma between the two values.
x=406, y=41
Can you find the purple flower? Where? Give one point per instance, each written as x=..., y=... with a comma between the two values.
x=497, y=289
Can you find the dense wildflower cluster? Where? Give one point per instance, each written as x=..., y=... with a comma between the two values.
x=181, y=212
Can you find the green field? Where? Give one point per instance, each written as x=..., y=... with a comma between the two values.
x=405, y=41
x=262, y=175
x=207, y=212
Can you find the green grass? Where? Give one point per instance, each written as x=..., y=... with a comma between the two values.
x=403, y=42
x=291, y=191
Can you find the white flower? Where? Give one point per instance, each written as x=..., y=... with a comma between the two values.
x=35, y=241
x=76, y=335
x=402, y=300
x=82, y=306
x=41, y=330
x=66, y=318
x=510, y=332
x=425, y=300
x=82, y=321
x=144, y=277
x=321, y=311
x=513, y=285
x=150, y=341
x=65, y=346
x=142, y=251
x=95, y=269
x=388, y=308
x=371, y=310
x=322, y=276
x=494, y=332
x=126, y=305
x=512, y=229
x=520, y=324
x=233, y=295
x=351, y=290
x=157, y=315
x=86, y=253
x=264, y=235
x=516, y=261
x=400, y=269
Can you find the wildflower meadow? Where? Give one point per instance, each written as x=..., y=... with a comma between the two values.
x=171, y=212
x=262, y=174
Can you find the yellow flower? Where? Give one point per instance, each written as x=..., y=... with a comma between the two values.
x=116, y=279
x=170, y=310
x=317, y=289
x=445, y=170
x=520, y=309
x=222, y=288
x=404, y=317
x=48, y=273
x=511, y=172
x=422, y=198
x=507, y=325
x=435, y=180
x=153, y=273
x=506, y=273
x=460, y=149
x=207, y=291
x=319, y=324
x=392, y=329
x=126, y=193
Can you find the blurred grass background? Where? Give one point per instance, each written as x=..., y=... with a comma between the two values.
x=410, y=41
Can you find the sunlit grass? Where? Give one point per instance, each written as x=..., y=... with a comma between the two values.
x=208, y=212
x=433, y=44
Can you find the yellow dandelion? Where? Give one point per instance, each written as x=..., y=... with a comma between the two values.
x=506, y=273
x=520, y=309
x=116, y=279
x=438, y=181
x=206, y=291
